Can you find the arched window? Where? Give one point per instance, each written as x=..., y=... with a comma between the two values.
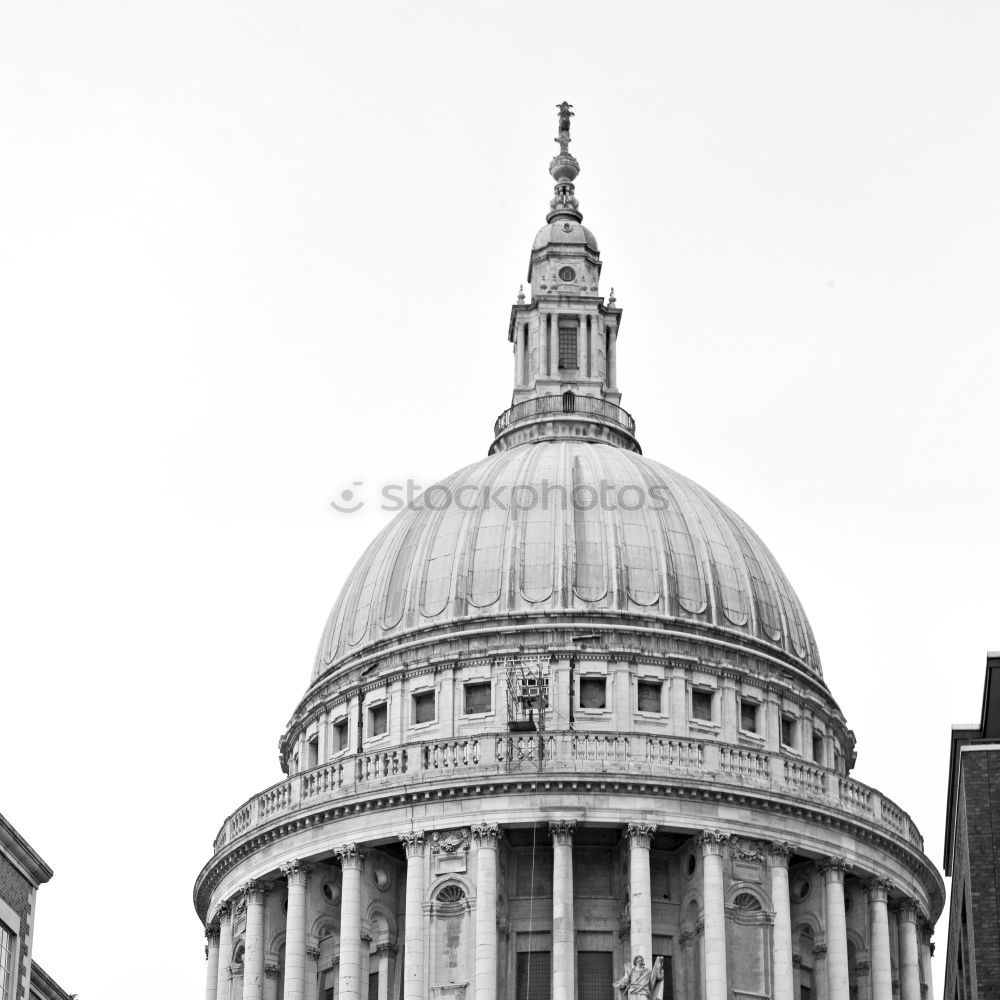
x=450, y=933
x=569, y=402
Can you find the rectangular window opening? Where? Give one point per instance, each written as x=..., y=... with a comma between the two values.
x=818, y=748
x=701, y=705
x=423, y=707
x=650, y=696
x=593, y=692
x=378, y=719
x=478, y=698
x=6, y=962
x=788, y=728
x=594, y=970
x=312, y=752
x=749, y=714
x=340, y=735
x=568, y=340
x=534, y=976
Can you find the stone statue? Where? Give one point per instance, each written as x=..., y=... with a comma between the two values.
x=640, y=983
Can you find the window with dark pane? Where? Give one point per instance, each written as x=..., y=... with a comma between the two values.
x=788, y=730
x=650, y=696
x=423, y=707
x=701, y=705
x=534, y=976
x=749, y=713
x=594, y=971
x=379, y=718
x=818, y=748
x=568, y=345
x=373, y=986
x=340, y=735
x=593, y=692
x=478, y=698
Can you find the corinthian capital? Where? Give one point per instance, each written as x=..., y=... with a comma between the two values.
x=640, y=834
x=485, y=834
x=878, y=889
x=780, y=852
x=296, y=873
x=212, y=934
x=413, y=843
x=254, y=892
x=909, y=910
x=350, y=856
x=713, y=841
x=833, y=869
x=562, y=831
x=223, y=912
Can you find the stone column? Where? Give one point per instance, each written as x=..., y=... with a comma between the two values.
x=413, y=953
x=224, y=916
x=351, y=859
x=680, y=966
x=784, y=982
x=640, y=903
x=894, y=945
x=297, y=876
x=563, y=934
x=612, y=359
x=253, y=943
x=384, y=953
x=485, y=836
x=312, y=973
x=364, y=977
x=926, y=954
x=836, y=928
x=714, y=902
x=909, y=967
x=881, y=961
x=212, y=954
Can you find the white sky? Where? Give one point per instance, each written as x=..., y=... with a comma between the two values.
x=252, y=253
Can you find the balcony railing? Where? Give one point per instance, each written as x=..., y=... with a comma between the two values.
x=568, y=402
x=607, y=755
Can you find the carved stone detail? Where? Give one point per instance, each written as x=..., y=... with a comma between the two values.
x=909, y=910
x=486, y=834
x=748, y=850
x=350, y=856
x=450, y=841
x=862, y=967
x=712, y=841
x=271, y=970
x=833, y=869
x=878, y=889
x=212, y=934
x=413, y=843
x=296, y=873
x=223, y=912
x=640, y=834
x=254, y=892
x=313, y=953
x=819, y=950
x=796, y=961
x=562, y=830
x=780, y=851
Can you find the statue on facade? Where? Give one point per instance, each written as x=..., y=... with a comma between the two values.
x=640, y=983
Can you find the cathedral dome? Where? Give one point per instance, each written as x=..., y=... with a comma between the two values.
x=564, y=232
x=568, y=528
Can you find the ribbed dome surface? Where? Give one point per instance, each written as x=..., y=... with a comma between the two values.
x=563, y=232
x=659, y=545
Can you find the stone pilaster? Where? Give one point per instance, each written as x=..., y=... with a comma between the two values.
x=909, y=967
x=714, y=902
x=413, y=954
x=254, y=894
x=640, y=836
x=312, y=973
x=485, y=836
x=384, y=955
x=351, y=859
x=784, y=982
x=297, y=876
x=926, y=954
x=224, y=916
x=877, y=890
x=836, y=928
x=563, y=933
x=212, y=932
x=366, y=964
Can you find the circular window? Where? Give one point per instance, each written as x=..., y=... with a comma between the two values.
x=380, y=876
x=566, y=274
x=331, y=892
x=802, y=889
x=692, y=864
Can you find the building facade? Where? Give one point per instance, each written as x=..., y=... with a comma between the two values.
x=971, y=851
x=567, y=711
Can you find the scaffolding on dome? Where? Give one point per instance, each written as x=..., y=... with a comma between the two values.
x=527, y=681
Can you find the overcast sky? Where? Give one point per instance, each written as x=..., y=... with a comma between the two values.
x=251, y=254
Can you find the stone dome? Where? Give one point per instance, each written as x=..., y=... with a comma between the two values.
x=563, y=232
x=503, y=539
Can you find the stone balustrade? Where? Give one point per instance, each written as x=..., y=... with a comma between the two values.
x=622, y=755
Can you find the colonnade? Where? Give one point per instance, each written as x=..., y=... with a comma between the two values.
x=912, y=938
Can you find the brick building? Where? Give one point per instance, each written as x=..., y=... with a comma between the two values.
x=972, y=851
x=22, y=871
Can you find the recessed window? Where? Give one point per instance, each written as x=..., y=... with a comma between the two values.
x=650, y=696
x=312, y=752
x=478, y=698
x=378, y=719
x=701, y=705
x=423, y=707
x=568, y=337
x=593, y=692
x=749, y=715
x=788, y=730
x=340, y=734
x=6, y=962
x=818, y=748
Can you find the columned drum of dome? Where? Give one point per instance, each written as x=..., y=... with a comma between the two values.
x=567, y=713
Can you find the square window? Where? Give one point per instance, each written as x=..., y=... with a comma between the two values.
x=818, y=748
x=593, y=692
x=423, y=707
x=340, y=734
x=478, y=698
x=749, y=713
x=378, y=719
x=701, y=705
x=650, y=696
x=788, y=728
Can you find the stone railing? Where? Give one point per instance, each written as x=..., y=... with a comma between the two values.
x=625, y=755
x=567, y=403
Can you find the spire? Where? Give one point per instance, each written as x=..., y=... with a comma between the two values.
x=564, y=169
